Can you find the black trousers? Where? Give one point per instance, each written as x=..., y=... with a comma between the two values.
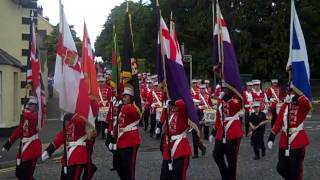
x=257, y=139
x=26, y=169
x=291, y=168
x=246, y=123
x=126, y=162
x=100, y=127
x=274, y=116
x=230, y=150
x=203, y=126
x=153, y=123
x=179, y=171
x=74, y=172
x=197, y=143
x=146, y=118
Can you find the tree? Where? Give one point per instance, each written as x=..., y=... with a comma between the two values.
x=52, y=45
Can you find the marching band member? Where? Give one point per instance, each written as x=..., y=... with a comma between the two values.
x=154, y=101
x=31, y=144
x=175, y=168
x=128, y=137
x=260, y=96
x=293, y=139
x=78, y=130
x=228, y=133
x=209, y=89
x=248, y=99
x=275, y=96
x=146, y=113
x=205, y=103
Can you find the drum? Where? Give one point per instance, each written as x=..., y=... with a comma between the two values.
x=103, y=111
x=158, y=114
x=279, y=105
x=209, y=116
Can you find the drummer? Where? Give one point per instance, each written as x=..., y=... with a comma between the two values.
x=205, y=103
x=154, y=101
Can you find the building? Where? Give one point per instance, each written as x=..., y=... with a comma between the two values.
x=14, y=51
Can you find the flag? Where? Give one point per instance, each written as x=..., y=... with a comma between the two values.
x=90, y=75
x=176, y=79
x=159, y=54
x=34, y=77
x=69, y=80
x=224, y=61
x=115, y=68
x=129, y=70
x=298, y=57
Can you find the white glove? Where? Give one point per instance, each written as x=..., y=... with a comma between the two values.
x=288, y=99
x=153, y=105
x=221, y=95
x=45, y=156
x=270, y=143
x=211, y=139
x=168, y=103
x=3, y=149
x=158, y=131
x=106, y=131
x=110, y=146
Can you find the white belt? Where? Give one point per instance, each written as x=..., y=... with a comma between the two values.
x=293, y=132
x=30, y=139
x=73, y=144
x=177, y=139
x=130, y=127
x=229, y=120
x=234, y=117
x=26, y=141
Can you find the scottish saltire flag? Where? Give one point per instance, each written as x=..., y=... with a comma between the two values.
x=298, y=57
x=34, y=77
x=224, y=60
x=177, y=82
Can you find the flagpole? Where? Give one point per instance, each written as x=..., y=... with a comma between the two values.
x=166, y=94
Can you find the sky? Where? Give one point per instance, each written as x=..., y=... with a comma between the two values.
x=95, y=13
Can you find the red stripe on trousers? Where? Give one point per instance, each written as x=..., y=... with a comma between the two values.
x=185, y=167
x=134, y=150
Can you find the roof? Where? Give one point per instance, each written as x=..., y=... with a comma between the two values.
x=7, y=59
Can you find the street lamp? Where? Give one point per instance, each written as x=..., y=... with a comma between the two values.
x=187, y=58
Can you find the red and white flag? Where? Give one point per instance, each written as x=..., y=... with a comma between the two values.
x=34, y=77
x=69, y=80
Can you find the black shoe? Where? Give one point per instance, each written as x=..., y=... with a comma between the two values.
x=195, y=156
x=263, y=153
x=203, y=152
x=256, y=158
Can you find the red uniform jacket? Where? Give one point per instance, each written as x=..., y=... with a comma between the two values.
x=207, y=99
x=26, y=129
x=217, y=91
x=153, y=100
x=231, y=108
x=106, y=93
x=195, y=92
x=262, y=98
x=275, y=96
x=75, y=129
x=143, y=91
x=178, y=122
x=209, y=91
x=298, y=113
x=110, y=120
x=128, y=116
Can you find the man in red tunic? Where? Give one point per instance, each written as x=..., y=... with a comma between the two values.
x=293, y=139
x=275, y=96
x=178, y=145
x=128, y=137
x=154, y=101
x=260, y=96
x=228, y=133
x=248, y=100
x=31, y=144
x=77, y=131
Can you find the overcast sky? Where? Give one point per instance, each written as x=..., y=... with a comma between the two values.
x=94, y=11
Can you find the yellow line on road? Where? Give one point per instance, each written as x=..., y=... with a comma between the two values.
x=4, y=170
